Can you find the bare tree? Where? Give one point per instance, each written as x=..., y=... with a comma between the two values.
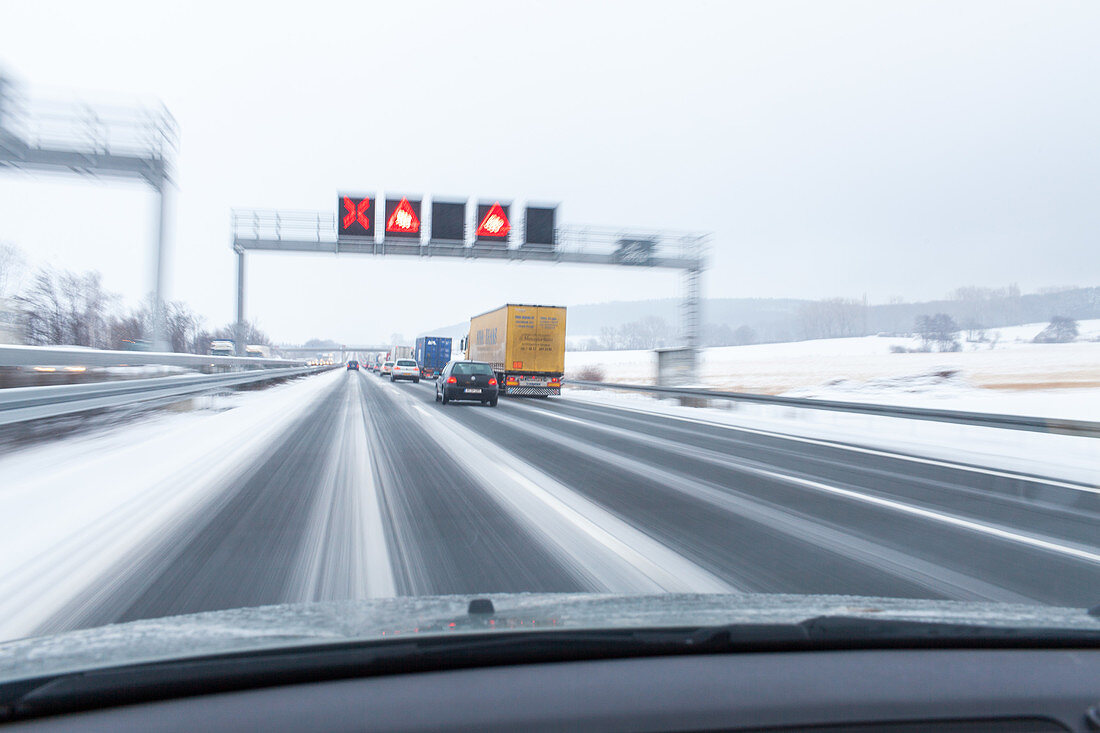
x=182, y=326
x=723, y=335
x=717, y=334
x=252, y=334
x=647, y=333
x=87, y=307
x=1061, y=330
x=61, y=307
x=609, y=337
x=744, y=335
x=127, y=331
x=940, y=331
x=44, y=319
x=12, y=268
x=975, y=332
x=831, y=318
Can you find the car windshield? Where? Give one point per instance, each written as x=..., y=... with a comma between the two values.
x=471, y=369
x=772, y=309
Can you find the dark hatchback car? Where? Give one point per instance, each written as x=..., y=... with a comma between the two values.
x=353, y=365
x=467, y=380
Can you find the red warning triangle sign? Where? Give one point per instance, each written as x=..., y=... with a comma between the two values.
x=495, y=223
x=403, y=219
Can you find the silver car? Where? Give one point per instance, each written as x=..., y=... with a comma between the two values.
x=405, y=369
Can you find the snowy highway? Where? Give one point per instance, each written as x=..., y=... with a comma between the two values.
x=349, y=486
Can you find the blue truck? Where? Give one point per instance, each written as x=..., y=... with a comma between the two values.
x=432, y=354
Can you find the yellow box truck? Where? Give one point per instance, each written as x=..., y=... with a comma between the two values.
x=525, y=345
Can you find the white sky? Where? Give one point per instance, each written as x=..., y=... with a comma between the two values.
x=833, y=148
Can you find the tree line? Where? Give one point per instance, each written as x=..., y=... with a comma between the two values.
x=56, y=307
x=654, y=332
x=831, y=318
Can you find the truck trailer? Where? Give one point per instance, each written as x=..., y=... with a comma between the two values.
x=399, y=352
x=525, y=345
x=222, y=347
x=432, y=354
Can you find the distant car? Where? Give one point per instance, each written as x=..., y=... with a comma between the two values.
x=467, y=380
x=405, y=369
x=387, y=367
x=353, y=365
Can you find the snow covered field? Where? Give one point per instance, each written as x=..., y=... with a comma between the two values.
x=1014, y=376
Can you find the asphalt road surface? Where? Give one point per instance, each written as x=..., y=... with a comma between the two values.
x=379, y=491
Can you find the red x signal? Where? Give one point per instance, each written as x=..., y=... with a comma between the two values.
x=356, y=212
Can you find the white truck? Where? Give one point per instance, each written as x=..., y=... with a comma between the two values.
x=222, y=347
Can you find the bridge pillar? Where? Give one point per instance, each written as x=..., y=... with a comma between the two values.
x=240, y=328
x=159, y=335
x=692, y=316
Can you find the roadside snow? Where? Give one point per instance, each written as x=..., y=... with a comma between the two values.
x=1013, y=363
x=949, y=391
x=1068, y=458
x=1009, y=376
x=74, y=508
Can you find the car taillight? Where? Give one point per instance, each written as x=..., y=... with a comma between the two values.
x=492, y=381
x=452, y=380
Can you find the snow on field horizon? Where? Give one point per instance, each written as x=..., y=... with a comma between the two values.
x=1014, y=375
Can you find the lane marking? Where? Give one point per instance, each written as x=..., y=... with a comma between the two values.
x=380, y=581
x=930, y=514
x=615, y=554
x=596, y=407
x=304, y=580
x=952, y=583
x=895, y=505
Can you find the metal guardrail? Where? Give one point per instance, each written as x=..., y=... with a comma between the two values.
x=31, y=356
x=1081, y=428
x=20, y=404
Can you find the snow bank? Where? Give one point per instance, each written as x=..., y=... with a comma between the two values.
x=75, y=508
x=1067, y=458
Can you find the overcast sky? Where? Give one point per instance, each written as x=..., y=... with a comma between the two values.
x=886, y=148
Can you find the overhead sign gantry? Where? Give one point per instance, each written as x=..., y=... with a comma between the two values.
x=101, y=141
x=494, y=232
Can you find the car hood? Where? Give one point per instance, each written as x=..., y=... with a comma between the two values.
x=290, y=625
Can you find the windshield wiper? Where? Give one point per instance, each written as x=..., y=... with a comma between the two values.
x=69, y=692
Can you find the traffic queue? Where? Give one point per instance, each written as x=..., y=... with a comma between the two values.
x=514, y=350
